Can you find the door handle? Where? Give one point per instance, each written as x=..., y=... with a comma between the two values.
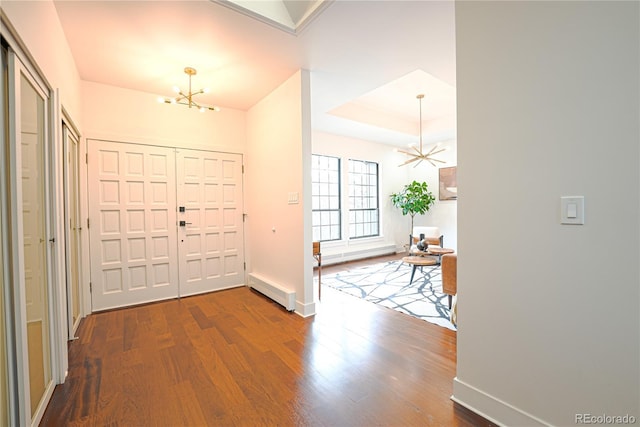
x=184, y=223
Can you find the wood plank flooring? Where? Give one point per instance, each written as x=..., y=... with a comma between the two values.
x=235, y=358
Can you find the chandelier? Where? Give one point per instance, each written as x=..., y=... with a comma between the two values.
x=187, y=98
x=419, y=156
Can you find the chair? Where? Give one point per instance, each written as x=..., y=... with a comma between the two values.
x=450, y=275
x=318, y=256
x=431, y=234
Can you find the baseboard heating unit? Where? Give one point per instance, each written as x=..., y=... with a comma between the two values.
x=276, y=292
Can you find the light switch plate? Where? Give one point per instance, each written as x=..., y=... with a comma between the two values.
x=572, y=210
x=293, y=198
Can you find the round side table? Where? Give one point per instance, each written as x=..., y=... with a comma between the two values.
x=416, y=261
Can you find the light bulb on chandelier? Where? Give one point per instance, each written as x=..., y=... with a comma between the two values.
x=419, y=156
x=187, y=98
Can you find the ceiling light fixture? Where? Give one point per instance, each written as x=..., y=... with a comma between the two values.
x=419, y=156
x=187, y=98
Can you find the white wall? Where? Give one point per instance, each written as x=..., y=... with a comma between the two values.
x=395, y=227
x=39, y=28
x=548, y=106
x=126, y=115
x=279, y=241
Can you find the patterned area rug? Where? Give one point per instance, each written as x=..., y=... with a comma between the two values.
x=387, y=284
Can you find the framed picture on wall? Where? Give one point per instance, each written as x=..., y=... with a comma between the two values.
x=448, y=189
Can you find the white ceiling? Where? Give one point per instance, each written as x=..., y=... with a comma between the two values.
x=368, y=59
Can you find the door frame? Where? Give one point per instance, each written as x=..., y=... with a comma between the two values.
x=70, y=131
x=85, y=204
x=8, y=333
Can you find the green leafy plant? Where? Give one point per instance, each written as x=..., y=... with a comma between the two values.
x=415, y=198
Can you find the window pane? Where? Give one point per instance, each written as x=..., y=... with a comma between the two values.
x=334, y=203
x=335, y=233
x=363, y=199
x=325, y=197
x=324, y=202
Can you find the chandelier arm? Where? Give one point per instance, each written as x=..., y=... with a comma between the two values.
x=411, y=161
x=417, y=163
x=438, y=151
x=181, y=97
x=435, y=149
x=406, y=152
x=417, y=151
x=436, y=160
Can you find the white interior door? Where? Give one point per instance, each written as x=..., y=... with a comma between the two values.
x=133, y=224
x=210, y=247
x=72, y=227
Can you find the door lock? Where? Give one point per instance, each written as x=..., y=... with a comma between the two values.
x=184, y=223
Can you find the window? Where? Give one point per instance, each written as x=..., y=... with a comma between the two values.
x=325, y=198
x=363, y=199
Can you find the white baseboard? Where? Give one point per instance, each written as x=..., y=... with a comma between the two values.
x=283, y=296
x=493, y=409
x=305, y=310
x=330, y=257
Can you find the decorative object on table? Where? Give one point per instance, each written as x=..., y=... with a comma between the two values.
x=419, y=155
x=448, y=183
x=387, y=284
x=187, y=98
x=414, y=199
x=430, y=237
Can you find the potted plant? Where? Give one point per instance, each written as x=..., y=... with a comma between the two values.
x=415, y=198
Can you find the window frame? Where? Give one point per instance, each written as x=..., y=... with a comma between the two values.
x=316, y=211
x=364, y=197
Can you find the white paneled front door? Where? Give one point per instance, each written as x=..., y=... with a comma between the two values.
x=139, y=195
x=133, y=224
x=210, y=216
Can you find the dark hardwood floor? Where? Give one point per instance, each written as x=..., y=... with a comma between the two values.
x=235, y=358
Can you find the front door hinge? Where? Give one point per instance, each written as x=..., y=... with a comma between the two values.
x=242, y=168
x=90, y=287
x=87, y=222
x=244, y=266
x=86, y=158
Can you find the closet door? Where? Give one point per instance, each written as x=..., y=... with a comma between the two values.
x=72, y=227
x=210, y=247
x=31, y=242
x=132, y=224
